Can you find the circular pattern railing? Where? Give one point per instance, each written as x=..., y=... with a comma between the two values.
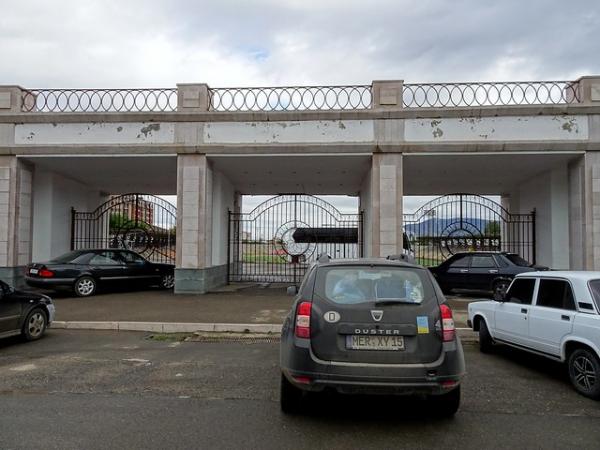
x=99, y=100
x=439, y=95
x=294, y=98
x=303, y=98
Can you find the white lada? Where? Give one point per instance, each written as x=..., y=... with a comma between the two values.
x=553, y=314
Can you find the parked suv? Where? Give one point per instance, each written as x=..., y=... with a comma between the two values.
x=553, y=314
x=481, y=271
x=370, y=326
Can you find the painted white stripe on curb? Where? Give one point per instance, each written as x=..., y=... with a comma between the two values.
x=168, y=327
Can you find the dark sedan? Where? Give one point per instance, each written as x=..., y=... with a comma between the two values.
x=24, y=313
x=84, y=270
x=481, y=271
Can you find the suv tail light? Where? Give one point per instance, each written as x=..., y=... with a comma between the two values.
x=448, y=329
x=303, y=320
x=45, y=273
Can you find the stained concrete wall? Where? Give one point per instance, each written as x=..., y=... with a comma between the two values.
x=55, y=195
x=548, y=194
x=223, y=199
x=365, y=205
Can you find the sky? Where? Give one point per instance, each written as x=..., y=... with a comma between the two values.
x=151, y=43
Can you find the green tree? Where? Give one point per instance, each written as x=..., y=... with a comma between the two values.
x=492, y=228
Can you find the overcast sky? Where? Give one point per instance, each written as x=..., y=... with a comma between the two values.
x=151, y=43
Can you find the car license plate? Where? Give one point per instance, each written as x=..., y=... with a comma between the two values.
x=361, y=342
x=33, y=271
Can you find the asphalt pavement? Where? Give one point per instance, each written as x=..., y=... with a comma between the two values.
x=245, y=303
x=93, y=389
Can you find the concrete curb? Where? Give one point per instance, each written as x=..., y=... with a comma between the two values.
x=169, y=327
x=465, y=334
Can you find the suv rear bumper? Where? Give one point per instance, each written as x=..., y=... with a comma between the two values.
x=435, y=378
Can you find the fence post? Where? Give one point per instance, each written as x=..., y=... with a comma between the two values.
x=73, y=212
x=193, y=97
x=387, y=94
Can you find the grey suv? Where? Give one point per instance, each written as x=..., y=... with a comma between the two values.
x=370, y=326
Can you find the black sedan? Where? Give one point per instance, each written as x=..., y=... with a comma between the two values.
x=481, y=271
x=24, y=313
x=84, y=270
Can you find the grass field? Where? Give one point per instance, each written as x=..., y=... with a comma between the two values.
x=266, y=259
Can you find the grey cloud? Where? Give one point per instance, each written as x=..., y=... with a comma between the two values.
x=147, y=43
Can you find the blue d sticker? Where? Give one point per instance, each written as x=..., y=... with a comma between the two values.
x=422, y=325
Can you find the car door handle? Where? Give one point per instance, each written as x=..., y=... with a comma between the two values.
x=564, y=317
x=493, y=271
x=524, y=310
x=464, y=270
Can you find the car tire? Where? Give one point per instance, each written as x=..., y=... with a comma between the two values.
x=35, y=324
x=499, y=288
x=291, y=399
x=446, y=405
x=85, y=286
x=486, y=343
x=584, y=372
x=167, y=281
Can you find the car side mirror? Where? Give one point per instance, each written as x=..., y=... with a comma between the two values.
x=292, y=290
x=500, y=297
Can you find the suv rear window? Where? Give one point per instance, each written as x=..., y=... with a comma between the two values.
x=361, y=284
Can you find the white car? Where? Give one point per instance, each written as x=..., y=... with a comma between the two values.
x=553, y=314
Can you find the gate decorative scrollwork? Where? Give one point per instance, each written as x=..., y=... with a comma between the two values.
x=280, y=238
x=466, y=222
x=143, y=223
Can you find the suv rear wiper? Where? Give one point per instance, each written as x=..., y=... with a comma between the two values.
x=389, y=301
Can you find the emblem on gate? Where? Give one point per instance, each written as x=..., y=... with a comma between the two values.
x=376, y=314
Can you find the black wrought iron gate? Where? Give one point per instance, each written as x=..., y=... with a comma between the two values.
x=278, y=240
x=143, y=223
x=466, y=222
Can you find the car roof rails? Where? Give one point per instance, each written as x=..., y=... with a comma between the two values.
x=323, y=258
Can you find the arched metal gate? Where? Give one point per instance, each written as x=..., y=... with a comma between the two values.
x=143, y=223
x=278, y=240
x=466, y=222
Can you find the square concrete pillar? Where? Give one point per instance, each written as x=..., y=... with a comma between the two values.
x=10, y=99
x=194, y=271
x=192, y=97
x=386, y=205
x=15, y=218
x=588, y=89
x=387, y=94
x=591, y=211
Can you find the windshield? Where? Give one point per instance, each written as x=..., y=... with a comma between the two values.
x=595, y=289
x=71, y=257
x=517, y=260
x=357, y=284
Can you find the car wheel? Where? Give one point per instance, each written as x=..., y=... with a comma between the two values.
x=446, y=405
x=486, y=343
x=85, y=286
x=167, y=281
x=290, y=397
x=584, y=371
x=499, y=288
x=35, y=325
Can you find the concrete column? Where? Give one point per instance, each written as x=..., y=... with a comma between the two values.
x=15, y=218
x=192, y=97
x=591, y=215
x=577, y=249
x=588, y=89
x=203, y=198
x=387, y=94
x=386, y=204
